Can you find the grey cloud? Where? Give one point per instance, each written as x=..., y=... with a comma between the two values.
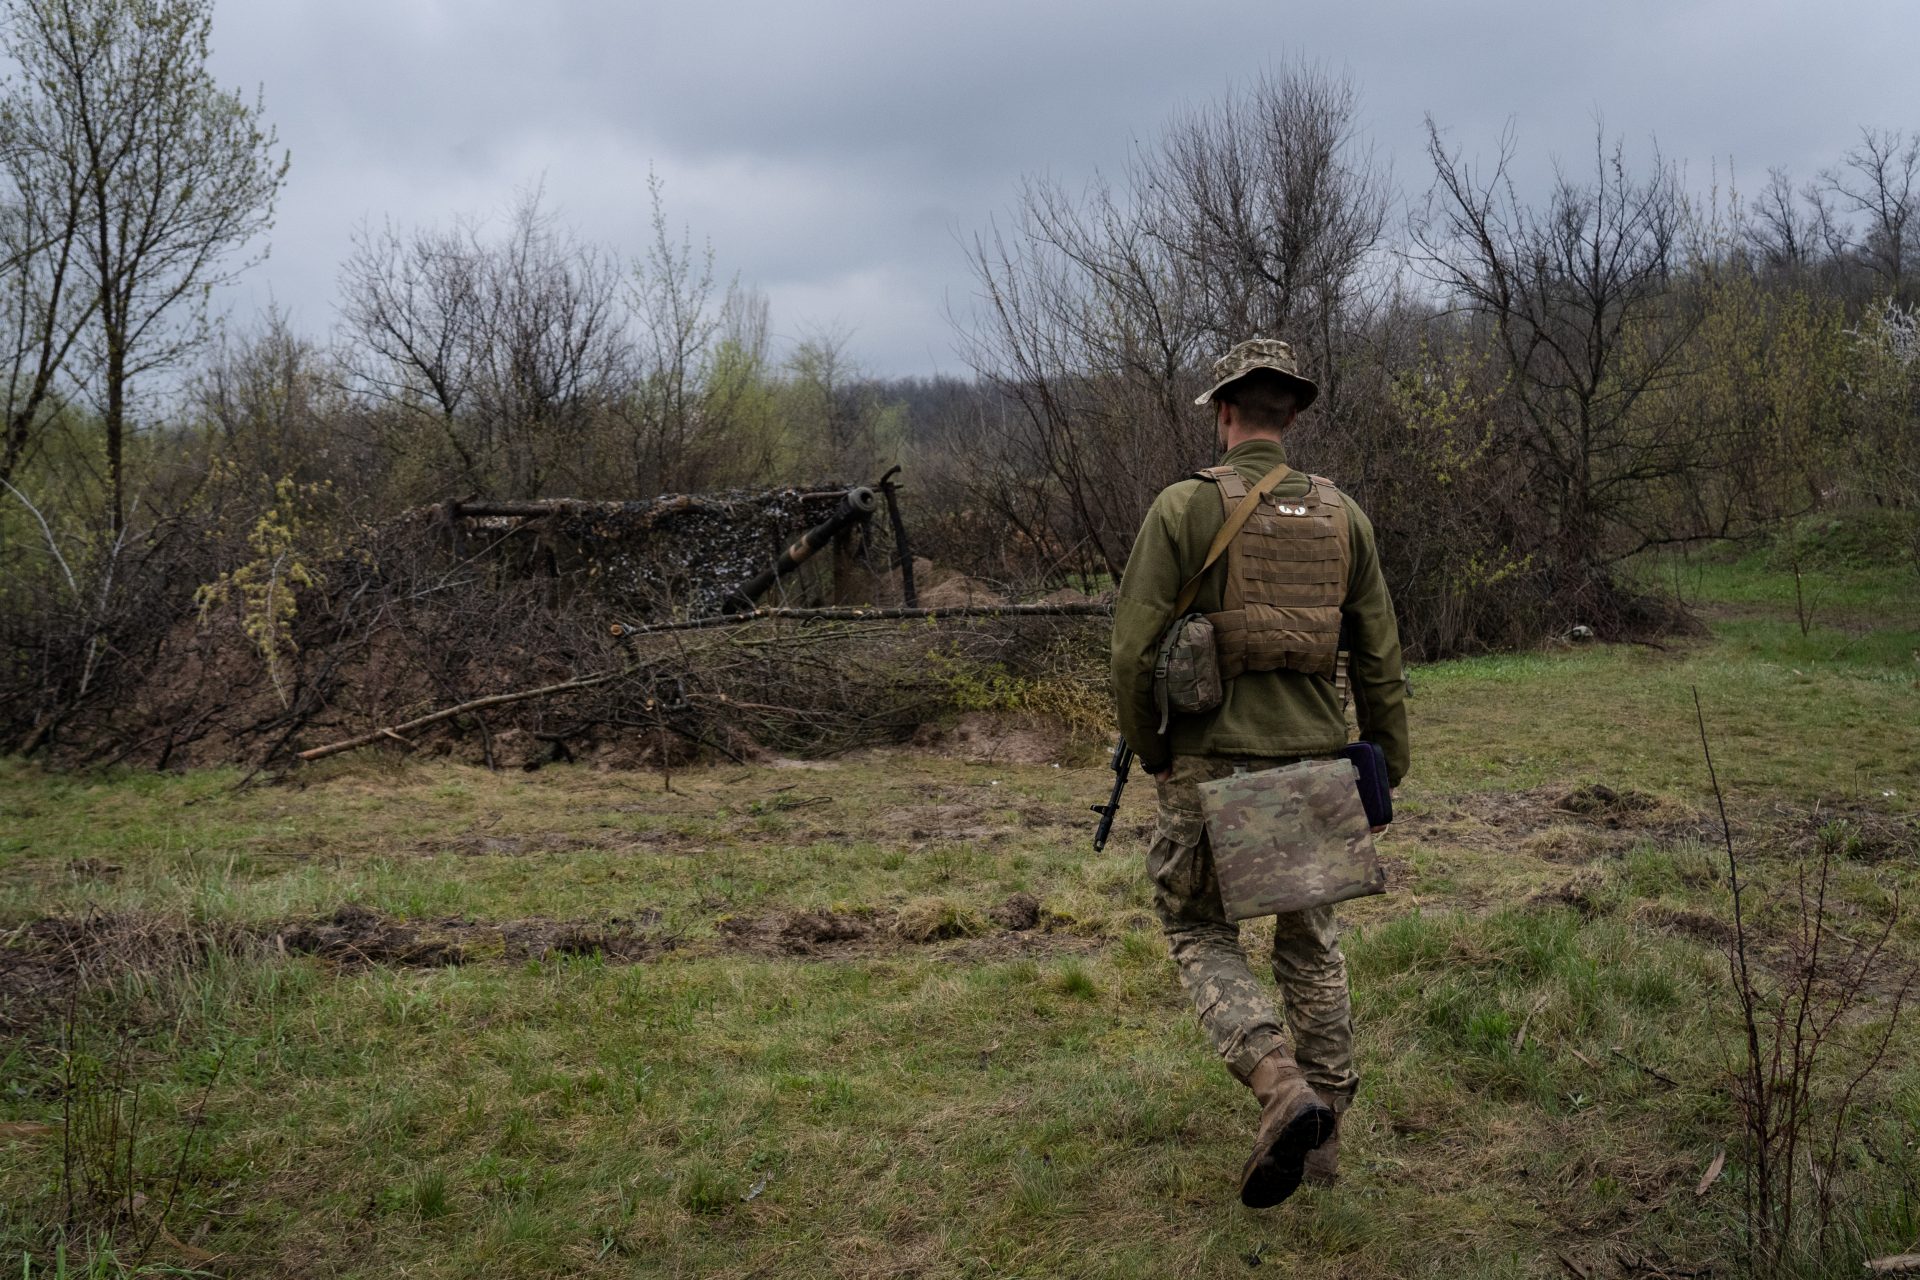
x=831, y=152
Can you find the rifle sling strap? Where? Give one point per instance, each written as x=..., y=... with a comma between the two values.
x=1233, y=525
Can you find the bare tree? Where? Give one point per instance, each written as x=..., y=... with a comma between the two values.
x=553, y=349
x=1879, y=181
x=1273, y=206
x=122, y=127
x=838, y=420
x=1783, y=231
x=411, y=307
x=1080, y=328
x=672, y=296
x=267, y=402
x=1579, y=298
x=1254, y=214
x=505, y=350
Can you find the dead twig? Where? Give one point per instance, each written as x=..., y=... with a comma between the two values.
x=1090, y=608
x=448, y=713
x=1655, y=1072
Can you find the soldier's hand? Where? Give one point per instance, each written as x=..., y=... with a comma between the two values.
x=1395, y=794
x=1163, y=775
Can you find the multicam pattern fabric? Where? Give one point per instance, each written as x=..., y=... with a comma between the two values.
x=1290, y=838
x=1258, y=353
x=1187, y=677
x=1237, y=1012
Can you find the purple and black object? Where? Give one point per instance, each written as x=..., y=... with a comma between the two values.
x=1376, y=793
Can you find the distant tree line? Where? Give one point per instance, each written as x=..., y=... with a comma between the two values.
x=1527, y=391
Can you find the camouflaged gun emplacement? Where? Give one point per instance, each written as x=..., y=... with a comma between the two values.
x=857, y=507
x=681, y=554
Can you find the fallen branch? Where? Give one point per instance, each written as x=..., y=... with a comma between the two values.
x=1085, y=609
x=1904, y=1264
x=478, y=704
x=667, y=504
x=397, y=732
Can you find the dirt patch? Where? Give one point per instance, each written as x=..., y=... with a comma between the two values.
x=510, y=846
x=354, y=935
x=1578, y=891
x=797, y=933
x=994, y=737
x=43, y=963
x=1567, y=843
x=1020, y=911
x=1692, y=924
x=1560, y=825
x=1018, y=926
x=959, y=591
x=948, y=822
x=1858, y=833
x=936, y=920
x=1041, y=816
x=1599, y=801
x=618, y=939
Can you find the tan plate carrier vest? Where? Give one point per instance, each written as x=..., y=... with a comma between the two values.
x=1286, y=580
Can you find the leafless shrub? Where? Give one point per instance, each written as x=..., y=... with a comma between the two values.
x=501, y=353
x=1808, y=1048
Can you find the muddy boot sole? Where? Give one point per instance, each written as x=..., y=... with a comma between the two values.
x=1274, y=1174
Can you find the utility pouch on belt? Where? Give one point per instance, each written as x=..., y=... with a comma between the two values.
x=1290, y=838
x=1186, y=676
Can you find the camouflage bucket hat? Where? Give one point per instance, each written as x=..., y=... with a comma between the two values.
x=1258, y=353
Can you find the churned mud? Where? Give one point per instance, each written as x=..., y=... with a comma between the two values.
x=1556, y=824
x=44, y=962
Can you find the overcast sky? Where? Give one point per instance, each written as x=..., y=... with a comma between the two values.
x=836, y=154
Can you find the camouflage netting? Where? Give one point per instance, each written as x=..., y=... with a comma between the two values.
x=439, y=608
x=679, y=553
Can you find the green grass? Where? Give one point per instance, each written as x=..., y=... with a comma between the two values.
x=1541, y=1006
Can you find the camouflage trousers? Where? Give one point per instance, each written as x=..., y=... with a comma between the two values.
x=1236, y=1011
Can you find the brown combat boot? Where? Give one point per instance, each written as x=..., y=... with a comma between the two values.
x=1322, y=1165
x=1293, y=1121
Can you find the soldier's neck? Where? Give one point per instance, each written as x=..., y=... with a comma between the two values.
x=1246, y=446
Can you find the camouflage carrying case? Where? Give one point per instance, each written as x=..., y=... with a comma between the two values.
x=1290, y=838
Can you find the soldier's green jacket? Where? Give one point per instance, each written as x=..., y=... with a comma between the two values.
x=1266, y=713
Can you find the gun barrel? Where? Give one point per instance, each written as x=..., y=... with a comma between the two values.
x=858, y=505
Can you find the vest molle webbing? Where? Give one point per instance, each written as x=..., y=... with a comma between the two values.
x=1286, y=580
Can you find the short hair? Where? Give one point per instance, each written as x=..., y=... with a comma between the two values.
x=1266, y=400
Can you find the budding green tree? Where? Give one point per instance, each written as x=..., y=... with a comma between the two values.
x=148, y=176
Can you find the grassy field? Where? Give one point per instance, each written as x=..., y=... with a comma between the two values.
x=888, y=1015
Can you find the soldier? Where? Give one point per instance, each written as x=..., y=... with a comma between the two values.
x=1302, y=576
